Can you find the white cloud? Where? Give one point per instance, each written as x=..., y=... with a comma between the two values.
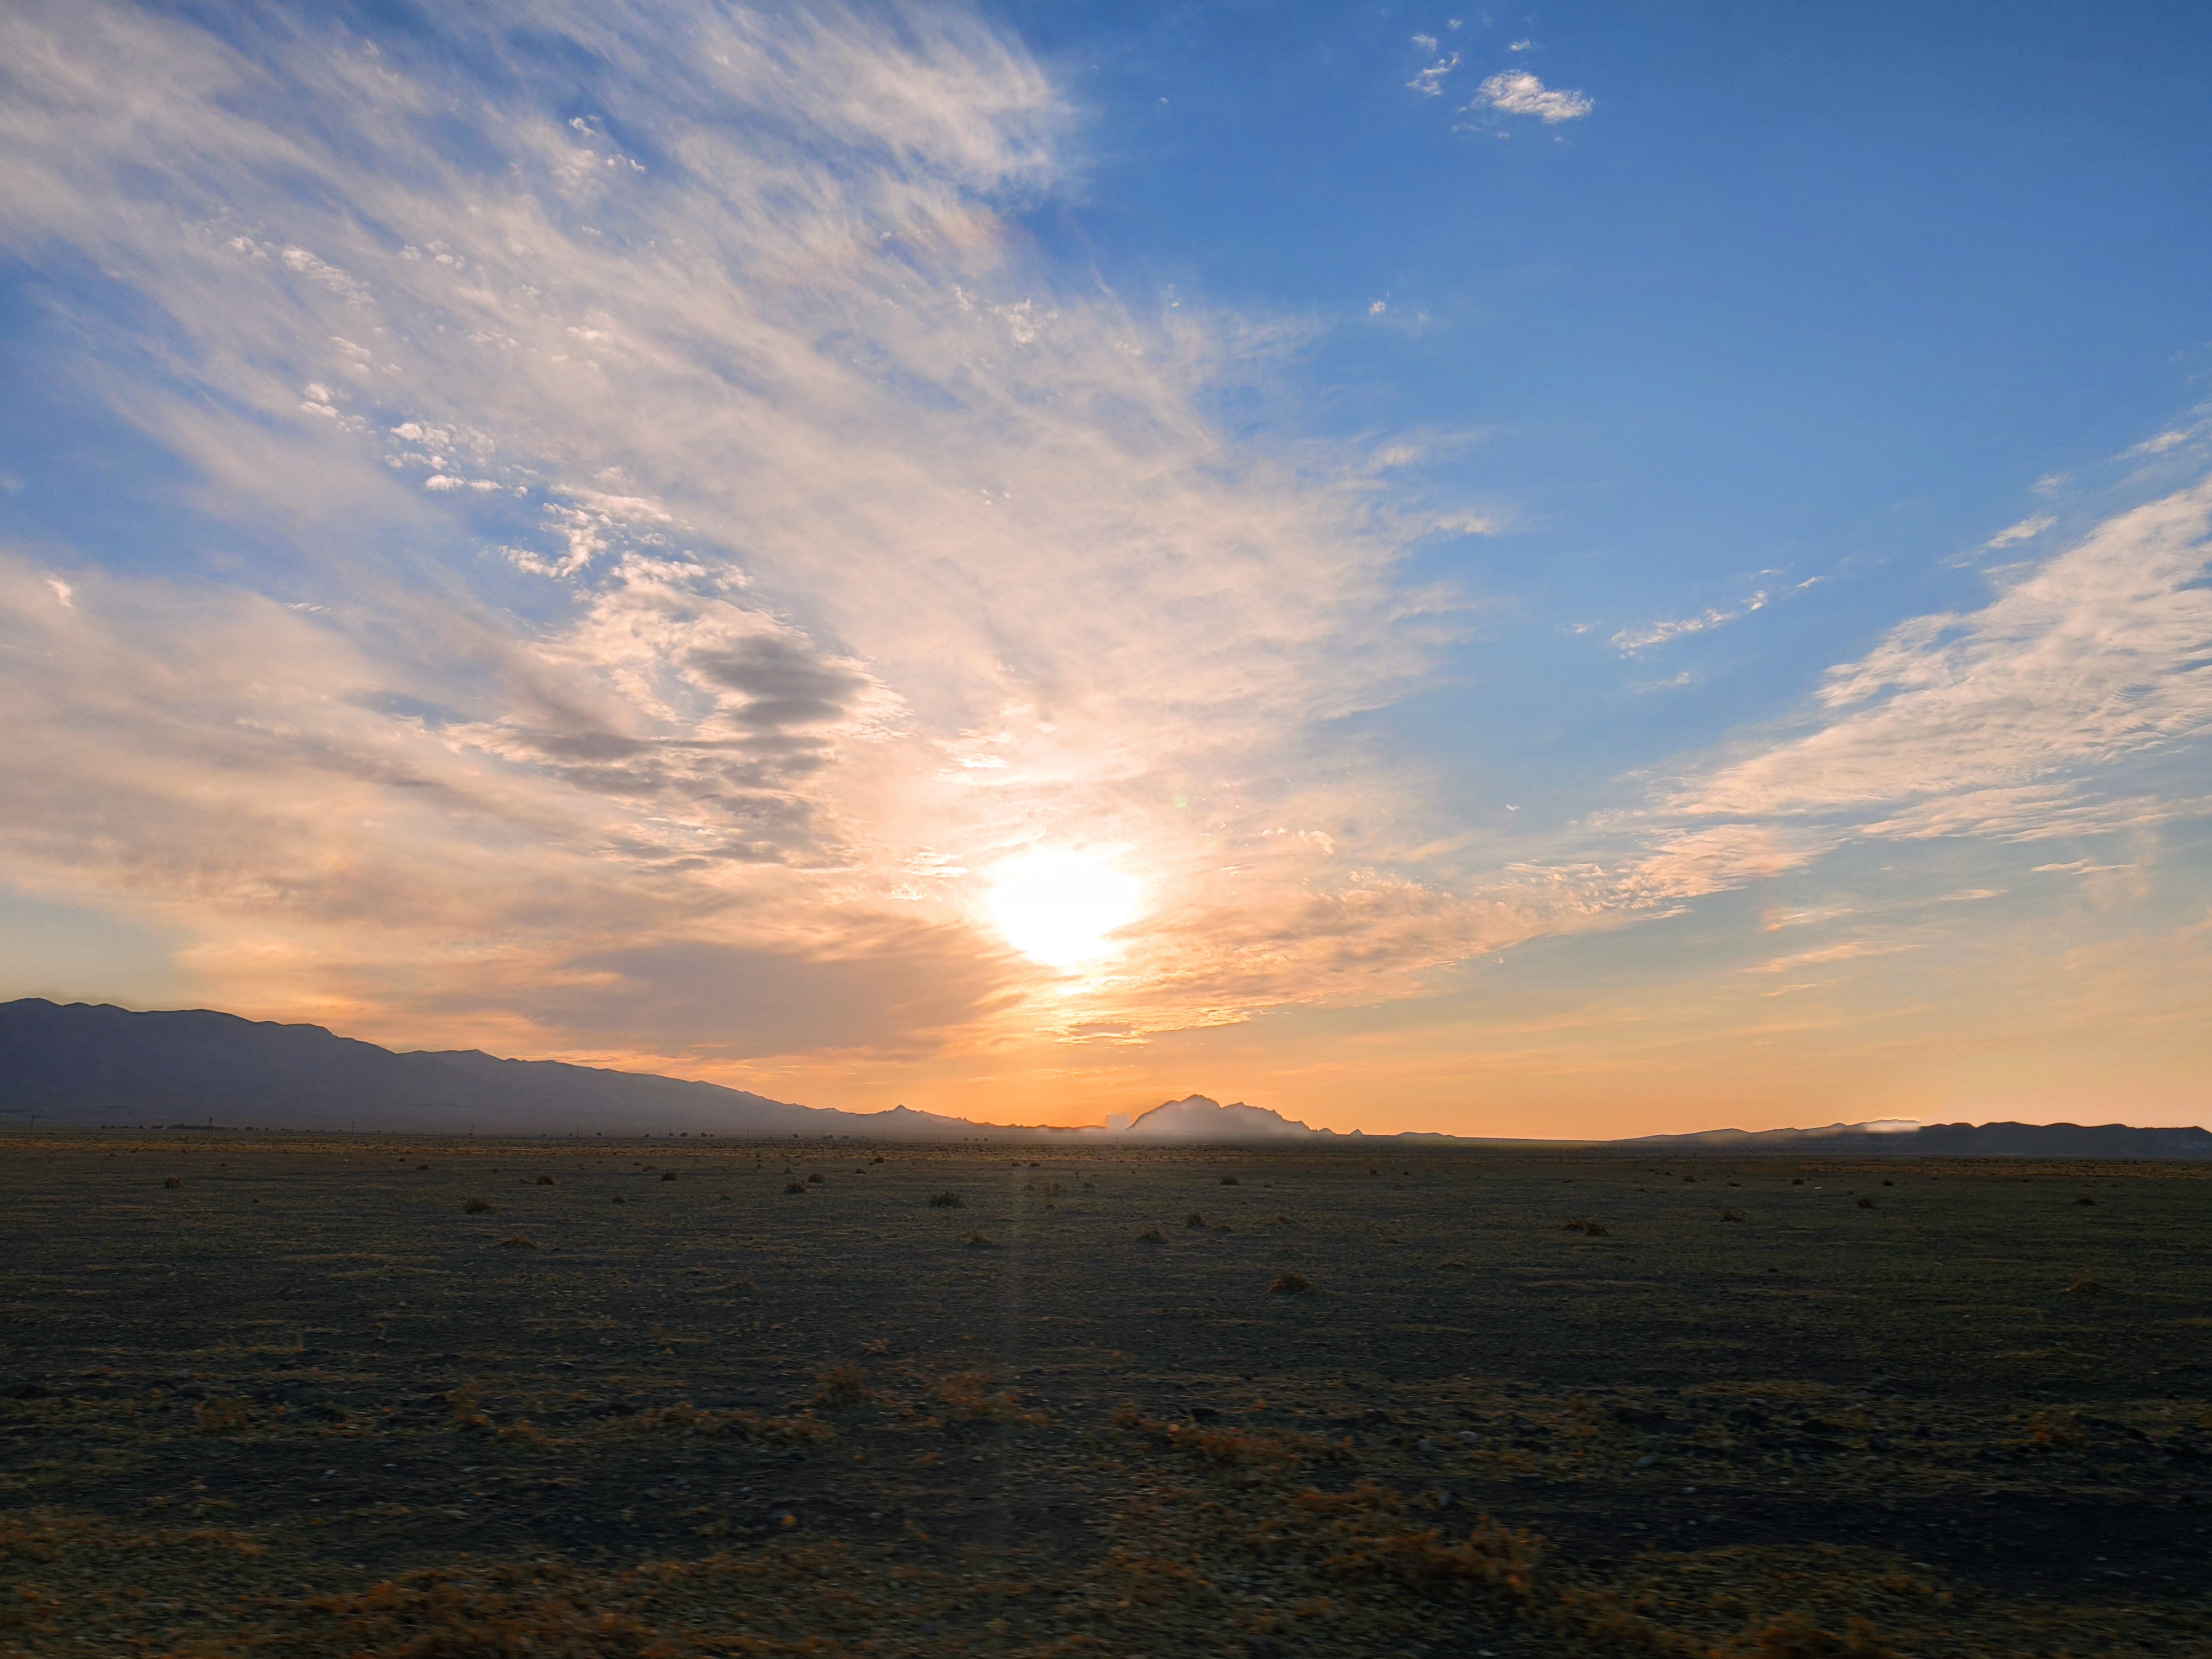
x=1629, y=641
x=1430, y=82
x=1519, y=92
x=1999, y=721
x=2026, y=531
x=820, y=476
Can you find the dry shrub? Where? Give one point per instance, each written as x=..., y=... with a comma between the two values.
x=802, y=1428
x=618, y=1199
x=220, y=1416
x=1368, y=1537
x=1866, y=1204
x=969, y=1395
x=2086, y=1285
x=1194, y=1220
x=171, y=1181
x=1229, y=1181
x=1731, y=1215
x=547, y=1180
x=2055, y=1426
x=976, y=1240
x=2085, y=1199
x=842, y=1385
x=813, y=1180
x=1794, y=1636
x=1291, y=1285
x=799, y=1187
x=517, y=1241
x=1151, y=1236
x=1450, y=1261
x=478, y=1207
x=947, y=1202
x=668, y=1174
x=468, y=1412
x=1054, y=1189
x=1585, y=1225
x=423, y=1616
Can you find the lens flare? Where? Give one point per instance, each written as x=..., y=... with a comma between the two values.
x=1061, y=907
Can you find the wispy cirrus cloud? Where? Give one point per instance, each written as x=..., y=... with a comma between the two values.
x=2004, y=721
x=742, y=547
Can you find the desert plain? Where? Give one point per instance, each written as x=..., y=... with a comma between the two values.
x=270, y=1394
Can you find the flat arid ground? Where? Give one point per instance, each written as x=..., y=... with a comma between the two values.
x=300, y=1396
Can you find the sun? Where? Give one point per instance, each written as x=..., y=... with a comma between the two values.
x=1062, y=907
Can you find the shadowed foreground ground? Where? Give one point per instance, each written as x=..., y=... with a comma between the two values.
x=305, y=1401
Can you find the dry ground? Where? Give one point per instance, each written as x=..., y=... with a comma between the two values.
x=307, y=1400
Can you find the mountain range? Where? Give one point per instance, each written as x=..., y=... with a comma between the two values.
x=83, y=1065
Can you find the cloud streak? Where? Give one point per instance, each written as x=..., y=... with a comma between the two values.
x=738, y=536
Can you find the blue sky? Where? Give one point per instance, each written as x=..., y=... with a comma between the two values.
x=1580, y=570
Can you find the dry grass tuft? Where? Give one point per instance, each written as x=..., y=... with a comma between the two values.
x=1229, y=1181
x=842, y=1385
x=547, y=1180
x=518, y=1241
x=618, y=1199
x=812, y=1180
x=1151, y=1236
x=947, y=1202
x=1291, y=1285
x=1450, y=1261
x=1866, y=1204
x=668, y=1174
x=975, y=1241
x=478, y=1207
x=1194, y=1220
x=171, y=1181
x=1585, y=1225
x=1731, y=1215
x=2085, y=1199
x=800, y=1186
x=2086, y=1285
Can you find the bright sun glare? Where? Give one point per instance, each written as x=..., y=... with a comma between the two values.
x=1061, y=907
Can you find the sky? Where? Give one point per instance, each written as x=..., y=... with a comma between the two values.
x=1589, y=571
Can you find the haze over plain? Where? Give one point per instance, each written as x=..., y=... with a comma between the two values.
x=1584, y=576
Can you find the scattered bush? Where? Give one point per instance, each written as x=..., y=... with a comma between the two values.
x=478, y=1207
x=668, y=1174
x=817, y=1181
x=1229, y=1181
x=1151, y=1236
x=1194, y=1220
x=2085, y=1199
x=947, y=1202
x=2085, y=1286
x=878, y=1158
x=518, y=1242
x=1866, y=1204
x=1731, y=1215
x=975, y=1241
x=1291, y=1285
x=842, y=1385
x=800, y=1186
x=618, y=1199
x=1585, y=1225
x=1450, y=1261
x=547, y=1180
x=171, y=1181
